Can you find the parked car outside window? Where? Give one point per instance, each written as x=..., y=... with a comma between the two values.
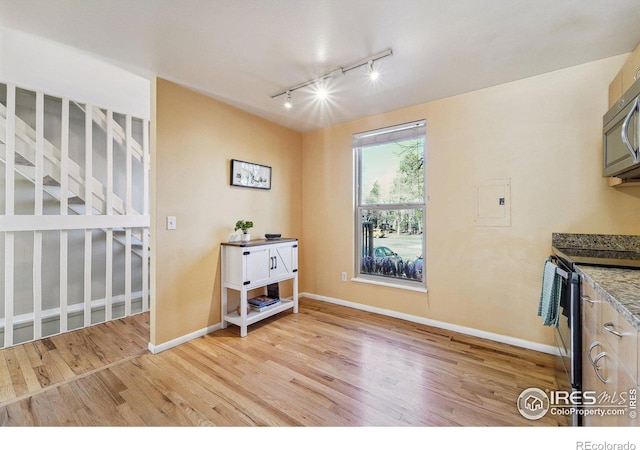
x=386, y=252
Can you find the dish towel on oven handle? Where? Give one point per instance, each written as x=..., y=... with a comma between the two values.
x=549, y=305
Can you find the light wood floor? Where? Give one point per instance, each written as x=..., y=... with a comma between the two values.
x=326, y=366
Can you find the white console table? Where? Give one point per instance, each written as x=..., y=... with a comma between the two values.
x=254, y=264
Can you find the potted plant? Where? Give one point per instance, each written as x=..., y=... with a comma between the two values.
x=244, y=225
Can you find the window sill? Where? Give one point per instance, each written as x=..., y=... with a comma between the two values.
x=420, y=288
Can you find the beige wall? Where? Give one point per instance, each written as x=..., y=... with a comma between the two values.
x=543, y=133
x=193, y=140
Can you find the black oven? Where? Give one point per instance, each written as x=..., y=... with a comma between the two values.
x=568, y=333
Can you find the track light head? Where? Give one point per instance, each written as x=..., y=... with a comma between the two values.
x=322, y=94
x=373, y=73
x=288, y=104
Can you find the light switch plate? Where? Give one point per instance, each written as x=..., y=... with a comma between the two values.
x=171, y=222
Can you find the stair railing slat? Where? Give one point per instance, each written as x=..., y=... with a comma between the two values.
x=10, y=130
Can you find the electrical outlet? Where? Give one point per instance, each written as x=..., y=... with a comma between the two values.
x=344, y=276
x=171, y=222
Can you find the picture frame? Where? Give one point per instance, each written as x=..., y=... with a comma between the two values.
x=250, y=175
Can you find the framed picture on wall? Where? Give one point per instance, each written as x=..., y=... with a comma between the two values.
x=250, y=175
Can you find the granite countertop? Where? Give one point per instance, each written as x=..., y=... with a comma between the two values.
x=615, y=242
x=621, y=288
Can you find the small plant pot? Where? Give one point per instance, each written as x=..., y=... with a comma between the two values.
x=245, y=237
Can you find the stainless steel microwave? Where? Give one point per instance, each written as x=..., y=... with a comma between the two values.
x=620, y=136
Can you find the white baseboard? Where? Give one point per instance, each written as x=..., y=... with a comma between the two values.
x=435, y=323
x=182, y=339
x=187, y=337
x=385, y=312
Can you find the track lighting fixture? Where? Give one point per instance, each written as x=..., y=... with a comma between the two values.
x=373, y=73
x=322, y=93
x=288, y=103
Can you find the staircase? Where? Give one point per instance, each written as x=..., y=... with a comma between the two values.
x=86, y=205
x=25, y=162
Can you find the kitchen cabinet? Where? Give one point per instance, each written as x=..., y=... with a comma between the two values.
x=625, y=77
x=251, y=265
x=615, y=89
x=629, y=69
x=610, y=360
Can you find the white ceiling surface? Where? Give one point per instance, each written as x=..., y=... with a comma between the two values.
x=243, y=51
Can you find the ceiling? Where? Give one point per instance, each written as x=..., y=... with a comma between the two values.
x=243, y=51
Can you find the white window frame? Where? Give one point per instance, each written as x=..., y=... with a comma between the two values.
x=385, y=134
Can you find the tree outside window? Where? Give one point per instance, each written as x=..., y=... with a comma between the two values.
x=391, y=196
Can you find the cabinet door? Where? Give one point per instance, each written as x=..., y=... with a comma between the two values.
x=284, y=260
x=600, y=378
x=590, y=382
x=256, y=265
x=592, y=347
x=621, y=336
x=616, y=394
x=591, y=306
x=603, y=373
x=629, y=69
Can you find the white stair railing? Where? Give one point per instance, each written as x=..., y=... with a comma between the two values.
x=25, y=166
x=119, y=134
x=25, y=147
x=30, y=157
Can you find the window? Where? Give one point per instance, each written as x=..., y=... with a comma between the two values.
x=390, y=210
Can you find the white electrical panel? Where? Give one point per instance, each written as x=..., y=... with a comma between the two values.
x=492, y=201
